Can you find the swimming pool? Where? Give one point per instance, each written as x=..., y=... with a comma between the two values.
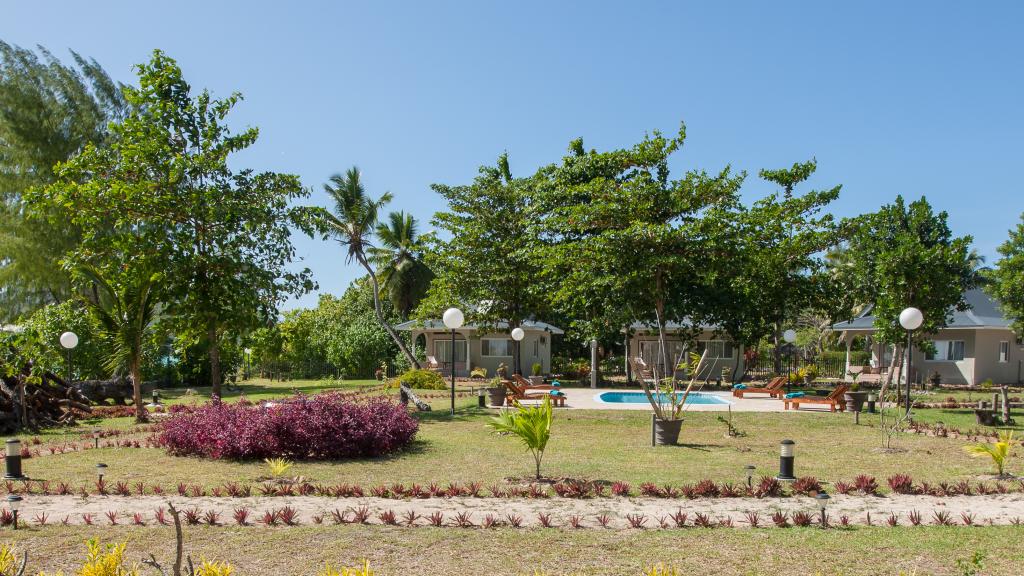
x=641, y=398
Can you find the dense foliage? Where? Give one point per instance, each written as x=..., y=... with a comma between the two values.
x=49, y=111
x=422, y=379
x=1007, y=280
x=321, y=427
x=162, y=198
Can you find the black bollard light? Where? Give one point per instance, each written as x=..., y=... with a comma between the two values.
x=822, y=499
x=101, y=469
x=786, y=460
x=14, y=501
x=13, y=460
x=749, y=468
x=871, y=403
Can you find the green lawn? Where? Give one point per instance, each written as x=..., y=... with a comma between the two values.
x=262, y=389
x=879, y=551
x=599, y=445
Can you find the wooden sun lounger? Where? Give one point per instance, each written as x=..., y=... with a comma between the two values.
x=515, y=392
x=834, y=400
x=773, y=388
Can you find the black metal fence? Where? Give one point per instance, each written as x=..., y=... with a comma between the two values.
x=763, y=366
x=306, y=370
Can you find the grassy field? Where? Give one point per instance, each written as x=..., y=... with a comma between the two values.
x=923, y=551
x=598, y=445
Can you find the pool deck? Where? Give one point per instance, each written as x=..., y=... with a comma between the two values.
x=586, y=399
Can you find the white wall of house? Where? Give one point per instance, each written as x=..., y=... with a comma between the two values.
x=489, y=350
x=726, y=354
x=965, y=356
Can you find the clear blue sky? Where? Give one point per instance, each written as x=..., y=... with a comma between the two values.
x=912, y=98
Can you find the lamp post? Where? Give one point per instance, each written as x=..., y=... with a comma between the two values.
x=911, y=319
x=14, y=501
x=789, y=336
x=518, y=335
x=101, y=469
x=453, y=319
x=69, y=340
x=749, y=468
x=823, y=499
x=248, y=362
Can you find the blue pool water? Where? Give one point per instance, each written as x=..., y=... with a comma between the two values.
x=641, y=398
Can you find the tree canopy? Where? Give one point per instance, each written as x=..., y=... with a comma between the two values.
x=161, y=197
x=1006, y=281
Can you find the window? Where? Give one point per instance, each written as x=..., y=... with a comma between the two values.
x=1004, y=351
x=716, y=348
x=650, y=351
x=947, y=351
x=536, y=348
x=443, y=350
x=496, y=347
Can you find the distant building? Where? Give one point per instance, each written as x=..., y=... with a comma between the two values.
x=976, y=346
x=476, y=348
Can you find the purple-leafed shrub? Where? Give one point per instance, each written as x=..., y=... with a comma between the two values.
x=806, y=486
x=320, y=427
x=866, y=484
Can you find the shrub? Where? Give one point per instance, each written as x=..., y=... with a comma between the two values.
x=532, y=425
x=478, y=372
x=423, y=379
x=901, y=484
x=806, y=486
x=322, y=427
x=536, y=369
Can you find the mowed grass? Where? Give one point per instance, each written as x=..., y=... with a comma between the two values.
x=262, y=389
x=879, y=551
x=598, y=445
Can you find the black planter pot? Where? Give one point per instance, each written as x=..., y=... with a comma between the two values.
x=666, y=432
x=855, y=401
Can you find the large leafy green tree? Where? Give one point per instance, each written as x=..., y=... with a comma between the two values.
x=906, y=255
x=398, y=257
x=352, y=223
x=162, y=197
x=623, y=241
x=1006, y=281
x=776, y=248
x=49, y=111
x=488, y=265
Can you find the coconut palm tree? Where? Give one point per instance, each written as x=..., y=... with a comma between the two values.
x=352, y=223
x=403, y=275
x=127, y=313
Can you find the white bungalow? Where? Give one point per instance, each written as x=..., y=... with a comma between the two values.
x=474, y=348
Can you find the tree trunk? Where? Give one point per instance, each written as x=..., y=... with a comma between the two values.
x=1005, y=390
x=140, y=410
x=777, y=340
x=380, y=315
x=211, y=334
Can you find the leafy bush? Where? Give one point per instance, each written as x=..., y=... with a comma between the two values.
x=478, y=372
x=320, y=427
x=536, y=369
x=423, y=380
x=532, y=425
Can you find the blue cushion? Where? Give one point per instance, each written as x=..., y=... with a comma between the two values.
x=795, y=395
x=556, y=393
x=739, y=386
x=556, y=383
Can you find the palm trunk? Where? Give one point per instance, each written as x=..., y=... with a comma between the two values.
x=136, y=370
x=211, y=334
x=380, y=315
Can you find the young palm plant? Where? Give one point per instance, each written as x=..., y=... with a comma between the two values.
x=352, y=223
x=531, y=424
x=998, y=451
x=127, y=312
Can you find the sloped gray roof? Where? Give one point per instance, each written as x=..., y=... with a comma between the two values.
x=439, y=325
x=984, y=312
x=671, y=326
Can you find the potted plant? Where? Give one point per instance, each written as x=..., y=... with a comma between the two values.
x=668, y=402
x=496, y=393
x=535, y=378
x=854, y=397
x=935, y=378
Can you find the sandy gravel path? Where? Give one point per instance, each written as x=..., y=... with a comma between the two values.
x=995, y=509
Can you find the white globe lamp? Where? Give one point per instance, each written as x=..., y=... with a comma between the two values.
x=69, y=340
x=911, y=318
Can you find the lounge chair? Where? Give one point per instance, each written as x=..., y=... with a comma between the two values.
x=433, y=365
x=773, y=388
x=515, y=392
x=834, y=400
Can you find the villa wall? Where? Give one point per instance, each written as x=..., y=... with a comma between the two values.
x=987, y=364
x=535, y=347
x=647, y=342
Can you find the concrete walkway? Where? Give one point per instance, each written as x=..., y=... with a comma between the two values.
x=589, y=399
